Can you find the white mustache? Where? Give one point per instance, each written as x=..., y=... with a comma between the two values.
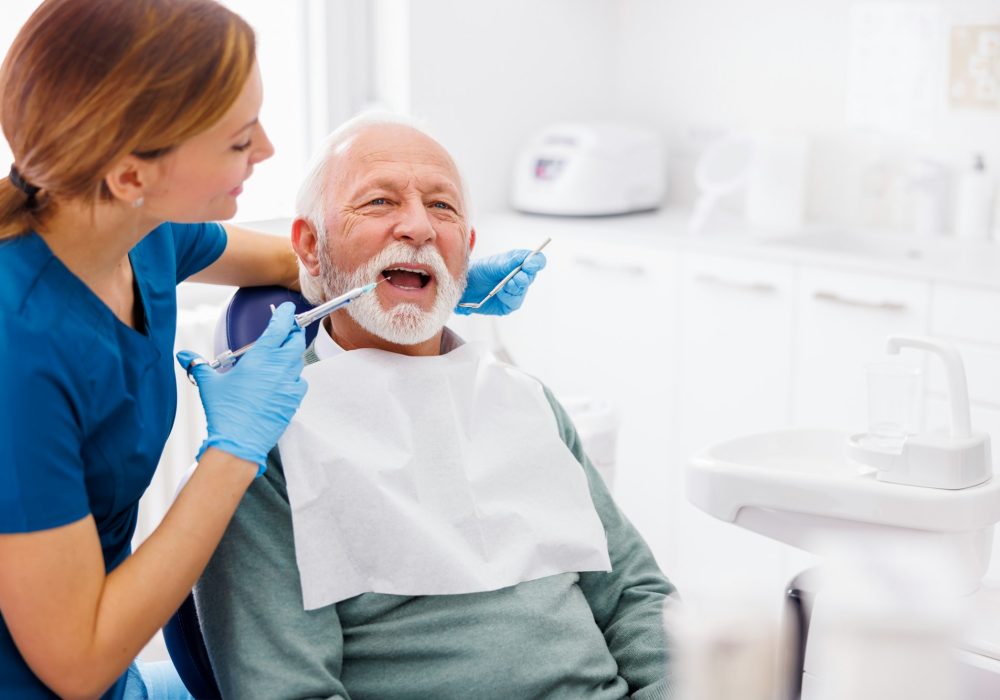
x=396, y=253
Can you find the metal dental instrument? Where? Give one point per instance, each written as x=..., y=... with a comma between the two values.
x=228, y=358
x=505, y=280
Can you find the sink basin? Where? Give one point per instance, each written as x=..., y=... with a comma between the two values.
x=799, y=487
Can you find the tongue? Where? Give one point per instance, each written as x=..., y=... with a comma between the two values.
x=402, y=278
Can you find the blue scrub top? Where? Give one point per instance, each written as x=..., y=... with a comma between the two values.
x=87, y=402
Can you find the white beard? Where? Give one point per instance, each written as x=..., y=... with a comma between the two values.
x=404, y=324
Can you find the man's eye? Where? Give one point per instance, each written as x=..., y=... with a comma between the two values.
x=242, y=146
x=443, y=205
x=378, y=201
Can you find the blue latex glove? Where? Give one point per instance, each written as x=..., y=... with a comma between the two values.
x=249, y=407
x=485, y=274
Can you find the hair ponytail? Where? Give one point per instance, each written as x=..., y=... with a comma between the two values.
x=16, y=215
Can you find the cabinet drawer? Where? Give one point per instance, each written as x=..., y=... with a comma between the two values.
x=982, y=369
x=965, y=313
x=735, y=341
x=843, y=320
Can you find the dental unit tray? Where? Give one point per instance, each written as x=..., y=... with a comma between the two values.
x=951, y=458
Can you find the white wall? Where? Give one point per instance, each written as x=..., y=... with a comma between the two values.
x=486, y=75
x=696, y=68
x=13, y=14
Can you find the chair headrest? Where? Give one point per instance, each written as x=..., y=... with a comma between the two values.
x=249, y=311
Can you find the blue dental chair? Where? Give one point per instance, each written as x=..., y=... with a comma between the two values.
x=245, y=317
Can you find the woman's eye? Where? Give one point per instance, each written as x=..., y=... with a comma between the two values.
x=443, y=205
x=242, y=146
x=378, y=201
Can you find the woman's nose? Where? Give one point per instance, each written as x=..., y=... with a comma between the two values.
x=264, y=148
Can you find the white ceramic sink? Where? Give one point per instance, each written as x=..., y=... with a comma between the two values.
x=799, y=487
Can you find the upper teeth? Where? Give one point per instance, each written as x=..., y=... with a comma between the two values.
x=406, y=269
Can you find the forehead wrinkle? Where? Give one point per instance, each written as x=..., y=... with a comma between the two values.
x=381, y=147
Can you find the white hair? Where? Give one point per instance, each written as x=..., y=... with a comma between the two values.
x=310, y=202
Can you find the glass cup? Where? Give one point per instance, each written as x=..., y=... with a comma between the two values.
x=894, y=402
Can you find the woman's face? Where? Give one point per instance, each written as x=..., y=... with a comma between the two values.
x=201, y=179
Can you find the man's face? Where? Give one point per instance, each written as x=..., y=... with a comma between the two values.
x=395, y=211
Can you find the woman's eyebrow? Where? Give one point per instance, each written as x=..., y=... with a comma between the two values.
x=245, y=127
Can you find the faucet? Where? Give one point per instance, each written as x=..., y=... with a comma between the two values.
x=956, y=458
x=958, y=388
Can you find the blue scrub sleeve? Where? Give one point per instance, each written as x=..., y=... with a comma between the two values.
x=41, y=466
x=197, y=246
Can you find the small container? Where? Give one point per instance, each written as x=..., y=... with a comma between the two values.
x=996, y=213
x=926, y=181
x=974, y=202
x=894, y=402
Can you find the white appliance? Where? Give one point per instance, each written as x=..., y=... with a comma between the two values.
x=768, y=169
x=589, y=170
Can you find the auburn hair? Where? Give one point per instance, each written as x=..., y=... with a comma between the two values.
x=87, y=82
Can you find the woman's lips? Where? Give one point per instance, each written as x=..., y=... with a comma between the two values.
x=236, y=191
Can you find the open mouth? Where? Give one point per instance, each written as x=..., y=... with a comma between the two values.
x=406, y=277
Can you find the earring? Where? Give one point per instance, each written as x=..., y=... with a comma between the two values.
x=137, y=203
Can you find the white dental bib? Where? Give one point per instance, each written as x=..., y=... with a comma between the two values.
x=431, y=476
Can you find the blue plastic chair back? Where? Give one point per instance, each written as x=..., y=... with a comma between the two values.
x=245, y=318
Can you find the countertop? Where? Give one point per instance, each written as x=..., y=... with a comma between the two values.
x=941, y=259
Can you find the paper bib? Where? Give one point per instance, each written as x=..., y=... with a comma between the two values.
x=431, y=476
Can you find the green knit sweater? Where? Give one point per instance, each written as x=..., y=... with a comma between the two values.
x=593, y=635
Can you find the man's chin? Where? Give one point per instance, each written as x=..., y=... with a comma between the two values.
x=404, y=324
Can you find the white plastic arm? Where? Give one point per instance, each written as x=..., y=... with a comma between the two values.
x=958, y=388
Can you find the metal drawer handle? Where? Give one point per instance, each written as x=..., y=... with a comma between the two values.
x=758, y=287
x=834, y=298
x=625, y=268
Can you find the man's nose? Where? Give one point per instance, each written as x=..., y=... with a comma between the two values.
x=414, y=225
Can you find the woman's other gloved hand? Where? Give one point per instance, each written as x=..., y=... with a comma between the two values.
x=485, y=274
x=249, y=407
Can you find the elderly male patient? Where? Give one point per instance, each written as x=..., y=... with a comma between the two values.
x=428, y=526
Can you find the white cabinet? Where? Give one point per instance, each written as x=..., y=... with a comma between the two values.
x=970, y=319
x=843, y=319
x=602, y=323
x=966, y=312
x=695, y=347
x=736, y=340
x=735, y=354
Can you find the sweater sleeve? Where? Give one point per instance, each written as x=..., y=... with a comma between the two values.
x=628, y=601
x=260, y=640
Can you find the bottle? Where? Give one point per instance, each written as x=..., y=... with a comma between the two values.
x=996, y=213
x=925, y=183
x=974, y=203
x=886, y=621
x=727, y=649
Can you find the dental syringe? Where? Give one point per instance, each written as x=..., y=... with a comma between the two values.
x=228, y=358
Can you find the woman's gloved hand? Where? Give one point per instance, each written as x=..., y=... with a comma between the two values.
x=485, y=274
x=249, y=407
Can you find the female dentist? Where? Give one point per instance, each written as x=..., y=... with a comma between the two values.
x=130, y=122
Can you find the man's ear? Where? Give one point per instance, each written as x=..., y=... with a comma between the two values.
x=305, y=242
x=472, y=239
x=130, y=179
